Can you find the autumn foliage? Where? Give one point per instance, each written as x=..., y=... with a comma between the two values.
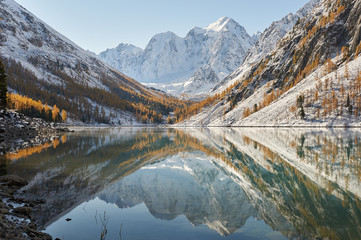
x=34, y=108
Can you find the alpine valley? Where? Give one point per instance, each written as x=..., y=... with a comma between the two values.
x=215, y=135
x=310, y=77
x=301, y=71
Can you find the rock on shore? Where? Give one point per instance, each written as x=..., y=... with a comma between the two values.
x=18, y=131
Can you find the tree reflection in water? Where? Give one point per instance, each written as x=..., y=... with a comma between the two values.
x=300, y=182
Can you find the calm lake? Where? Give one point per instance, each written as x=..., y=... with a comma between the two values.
x=217, y=183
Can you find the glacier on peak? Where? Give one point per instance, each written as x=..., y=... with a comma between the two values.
x=256, y=36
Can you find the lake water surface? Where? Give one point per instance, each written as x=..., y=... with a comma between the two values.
x=218, y=183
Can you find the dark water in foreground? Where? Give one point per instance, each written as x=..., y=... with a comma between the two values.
x=214, y=183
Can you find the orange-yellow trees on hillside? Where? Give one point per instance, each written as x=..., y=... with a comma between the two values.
x=34, y=108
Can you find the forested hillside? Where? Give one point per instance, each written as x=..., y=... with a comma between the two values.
x=44, y=65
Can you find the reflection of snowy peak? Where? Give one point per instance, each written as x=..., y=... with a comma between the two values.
x=189, y=185
x=169, y=59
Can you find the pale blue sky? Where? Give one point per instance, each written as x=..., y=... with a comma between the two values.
x=100, y=24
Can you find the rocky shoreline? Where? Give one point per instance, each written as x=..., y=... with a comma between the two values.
x=16, y=220
x=18, y=131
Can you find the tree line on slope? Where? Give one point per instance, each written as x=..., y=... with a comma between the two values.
x=25, y=105
x=86, y=103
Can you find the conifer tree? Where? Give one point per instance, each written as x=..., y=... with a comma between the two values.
x=3, y=87
x=301, y=111
x=348, y=104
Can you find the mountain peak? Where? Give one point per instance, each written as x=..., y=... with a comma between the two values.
x=223, y=23
x=165, y=36
x=123, y=46
x=226, y=24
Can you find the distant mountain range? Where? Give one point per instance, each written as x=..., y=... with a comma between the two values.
x=199, y=62
x=189, y=65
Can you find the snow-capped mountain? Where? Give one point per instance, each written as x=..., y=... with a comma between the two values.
x=171, y=63
x=45, y=65
x=274, y=33
x=130, y=55
x=198, y=78
x=256, y=36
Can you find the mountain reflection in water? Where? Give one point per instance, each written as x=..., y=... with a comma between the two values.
x=301, y=183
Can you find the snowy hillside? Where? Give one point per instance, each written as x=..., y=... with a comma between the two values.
x=173, y=64
x=266, y=43
x=44, y=65
x=310, y=79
